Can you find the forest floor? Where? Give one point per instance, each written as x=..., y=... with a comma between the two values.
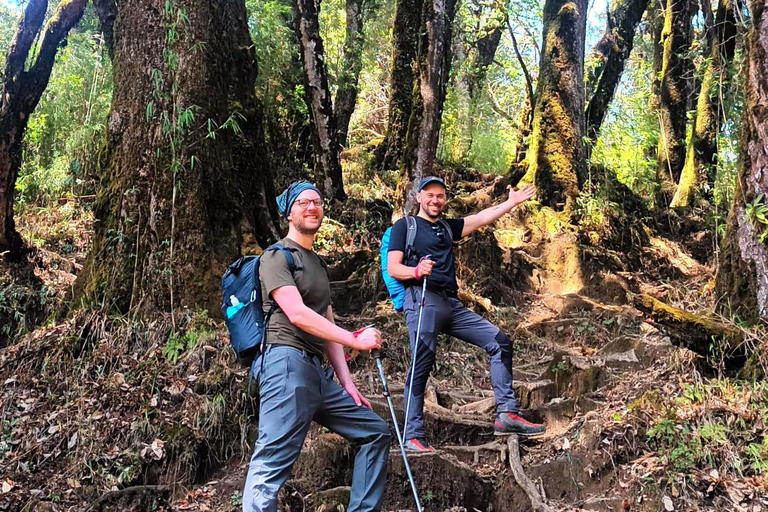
x=104, y=412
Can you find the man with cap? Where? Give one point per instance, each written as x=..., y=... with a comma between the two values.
x=294, y=387
x=431, y=258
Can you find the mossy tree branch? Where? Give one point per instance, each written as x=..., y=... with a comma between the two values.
x=609, y=56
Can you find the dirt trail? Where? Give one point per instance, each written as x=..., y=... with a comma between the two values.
x=96, y=401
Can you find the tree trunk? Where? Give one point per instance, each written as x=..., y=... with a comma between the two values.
x=556, y=156
x=351, y=65
x=22, y=88
x=610, y=54
x=325, y=137
x=482, y=57
x=673, y=95
x=742, y=280
x=184, y=185
x=433, y=66
x=405, y=46
x=701, y=154
x=470, y=84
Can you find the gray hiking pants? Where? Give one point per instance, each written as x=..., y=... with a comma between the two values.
x=294, y=390
x=448, y=315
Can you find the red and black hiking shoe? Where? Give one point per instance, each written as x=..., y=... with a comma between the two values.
x=418, y=445
x=510, y=423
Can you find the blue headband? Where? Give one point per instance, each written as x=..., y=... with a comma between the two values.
x=288, y=197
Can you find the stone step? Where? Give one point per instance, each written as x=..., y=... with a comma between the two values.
x=573, y=375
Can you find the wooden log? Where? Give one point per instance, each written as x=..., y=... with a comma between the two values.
x=695, y=332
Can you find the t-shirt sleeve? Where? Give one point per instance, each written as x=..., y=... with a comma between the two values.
x=397, y=236
x=274, y=271
x=457, y=226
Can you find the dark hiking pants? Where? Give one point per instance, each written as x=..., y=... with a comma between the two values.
x=448, y=315
x=295, y=389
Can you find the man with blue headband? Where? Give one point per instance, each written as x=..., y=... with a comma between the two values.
x=294, y=387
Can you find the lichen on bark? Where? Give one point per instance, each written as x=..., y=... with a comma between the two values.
x=556, y=156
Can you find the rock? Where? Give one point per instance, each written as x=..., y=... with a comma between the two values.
x=331, y=500
x=623, y=360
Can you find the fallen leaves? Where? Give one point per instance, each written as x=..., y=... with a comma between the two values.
x=154, y=451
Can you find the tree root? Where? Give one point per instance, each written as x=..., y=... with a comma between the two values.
x=525, y=483
x=138, y=497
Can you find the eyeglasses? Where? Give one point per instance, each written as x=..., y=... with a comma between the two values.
x=438, y=231
x=304, y=203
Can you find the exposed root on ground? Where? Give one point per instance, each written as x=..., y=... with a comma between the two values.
x=537, y=501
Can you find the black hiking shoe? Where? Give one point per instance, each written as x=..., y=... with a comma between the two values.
x=418, y=445
x=510, y=423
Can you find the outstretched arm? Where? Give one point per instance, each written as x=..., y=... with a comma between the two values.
x=493, y=213
x=289, y=300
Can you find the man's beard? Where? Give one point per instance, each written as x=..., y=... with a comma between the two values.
x=426, y=212
x=302, y=227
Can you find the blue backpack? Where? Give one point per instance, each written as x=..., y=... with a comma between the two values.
x=242, y=304
x=395, y=287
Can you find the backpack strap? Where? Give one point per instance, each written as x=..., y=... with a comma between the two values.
x=410, y=237
x=292, y=266
x=447, y=228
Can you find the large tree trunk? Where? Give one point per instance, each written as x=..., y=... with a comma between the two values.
x=701, y=153
x=324, y=136
x=405, y=47
x=673, y=95
x=352, y=63
x=610, y=55
x=185, y=187
x=433, y=67
x=742, y=280
x=556, y=158
x=22, y=88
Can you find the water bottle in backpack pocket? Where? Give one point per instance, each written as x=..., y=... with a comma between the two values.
x=242, y=304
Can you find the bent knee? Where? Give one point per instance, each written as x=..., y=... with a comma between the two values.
x=503, y=344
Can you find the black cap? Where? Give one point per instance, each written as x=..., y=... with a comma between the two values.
x=430, y=179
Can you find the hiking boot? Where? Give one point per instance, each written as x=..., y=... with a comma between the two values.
x=418, y=445
x=510, y=423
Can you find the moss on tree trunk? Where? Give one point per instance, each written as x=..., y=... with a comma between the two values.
x=23, y=85
x=556, y=156
x=184, y=185
x=433, y=66
x=701, y=152
x=318, y=95
x=405, y=45
x=673, y=91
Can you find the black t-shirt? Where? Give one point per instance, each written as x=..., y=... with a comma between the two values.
x=430, y=239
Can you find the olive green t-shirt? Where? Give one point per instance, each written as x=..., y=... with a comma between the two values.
x=313, y=285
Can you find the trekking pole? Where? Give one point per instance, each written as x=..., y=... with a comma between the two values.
x=400, y=441
x=415, y=349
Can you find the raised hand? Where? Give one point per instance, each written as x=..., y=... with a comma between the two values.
x=521, y=195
